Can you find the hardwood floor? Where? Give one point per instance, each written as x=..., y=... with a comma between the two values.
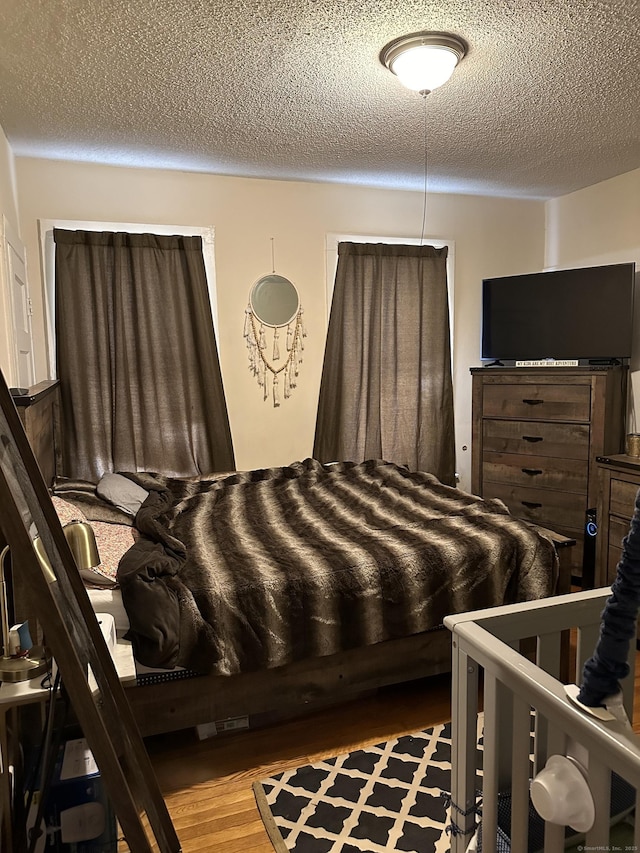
x=207, y=784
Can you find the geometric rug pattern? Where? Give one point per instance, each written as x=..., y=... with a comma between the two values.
x=392, y=796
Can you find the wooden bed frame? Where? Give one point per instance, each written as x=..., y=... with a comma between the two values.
x=284, y=691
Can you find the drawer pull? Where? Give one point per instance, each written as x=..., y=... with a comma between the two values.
x=531, y=471
x=531, y=504
x=532, y=438
x=533, y=402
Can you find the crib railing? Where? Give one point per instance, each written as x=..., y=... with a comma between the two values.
x=492, y=651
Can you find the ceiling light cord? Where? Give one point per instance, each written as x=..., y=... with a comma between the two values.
x=426, y=170
x=422, y=62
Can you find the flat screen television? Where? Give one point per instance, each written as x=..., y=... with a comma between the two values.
x=584, y=314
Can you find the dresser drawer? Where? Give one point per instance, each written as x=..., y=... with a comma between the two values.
x=622, y=498
x=618, y=529
x=540, y=472
x=537, y=402
x=554, y=509
x=561, y=440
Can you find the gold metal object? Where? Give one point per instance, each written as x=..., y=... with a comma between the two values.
x=82, y=543
x=23, y=667
x=31, y=665
x=633, y=444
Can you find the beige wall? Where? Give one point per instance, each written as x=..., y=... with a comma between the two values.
x=601, y=225
x=8, y=209
x=492, y=237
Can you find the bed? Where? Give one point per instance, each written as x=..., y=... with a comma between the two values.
x=255, y=639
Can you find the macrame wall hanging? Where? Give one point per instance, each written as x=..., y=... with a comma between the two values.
x=274, y=312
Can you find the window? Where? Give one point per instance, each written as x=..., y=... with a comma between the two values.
x=47, y=249
x=386, y=390
x=135, y=346
x=331, y=263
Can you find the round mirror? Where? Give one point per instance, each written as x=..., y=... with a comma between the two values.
x=274, y=300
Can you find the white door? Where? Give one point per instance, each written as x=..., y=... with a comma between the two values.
x=20, y=306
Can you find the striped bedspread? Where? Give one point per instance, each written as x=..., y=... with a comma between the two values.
x=262, y=568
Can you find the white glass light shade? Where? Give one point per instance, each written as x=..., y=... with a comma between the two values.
x=425, y=67
x=423, y=61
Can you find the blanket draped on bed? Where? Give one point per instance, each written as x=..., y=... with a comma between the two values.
x=262, y=568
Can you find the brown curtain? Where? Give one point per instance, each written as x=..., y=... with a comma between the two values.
x=137, y=358
x=386, y=390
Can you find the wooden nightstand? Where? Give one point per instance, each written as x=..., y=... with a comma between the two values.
x=618, y=484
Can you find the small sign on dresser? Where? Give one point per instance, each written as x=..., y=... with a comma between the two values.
x=549, y=362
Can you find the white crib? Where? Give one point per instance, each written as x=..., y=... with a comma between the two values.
x=516, y=690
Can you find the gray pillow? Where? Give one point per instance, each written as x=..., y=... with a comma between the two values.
x=122, y=492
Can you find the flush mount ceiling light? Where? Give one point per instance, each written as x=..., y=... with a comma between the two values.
x=423, y=61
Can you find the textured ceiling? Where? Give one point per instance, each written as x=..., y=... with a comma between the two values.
x=546, y=101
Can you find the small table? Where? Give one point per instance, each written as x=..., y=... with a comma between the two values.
x=12, y=696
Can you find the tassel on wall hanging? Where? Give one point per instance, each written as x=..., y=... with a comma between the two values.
x=275, y=332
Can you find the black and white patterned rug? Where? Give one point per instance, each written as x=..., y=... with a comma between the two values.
x=393, y=796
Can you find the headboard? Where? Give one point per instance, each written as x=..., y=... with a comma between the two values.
x=39, y=411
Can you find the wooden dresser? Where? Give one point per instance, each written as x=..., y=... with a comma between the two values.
x=618, y=484
x=536, y=433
